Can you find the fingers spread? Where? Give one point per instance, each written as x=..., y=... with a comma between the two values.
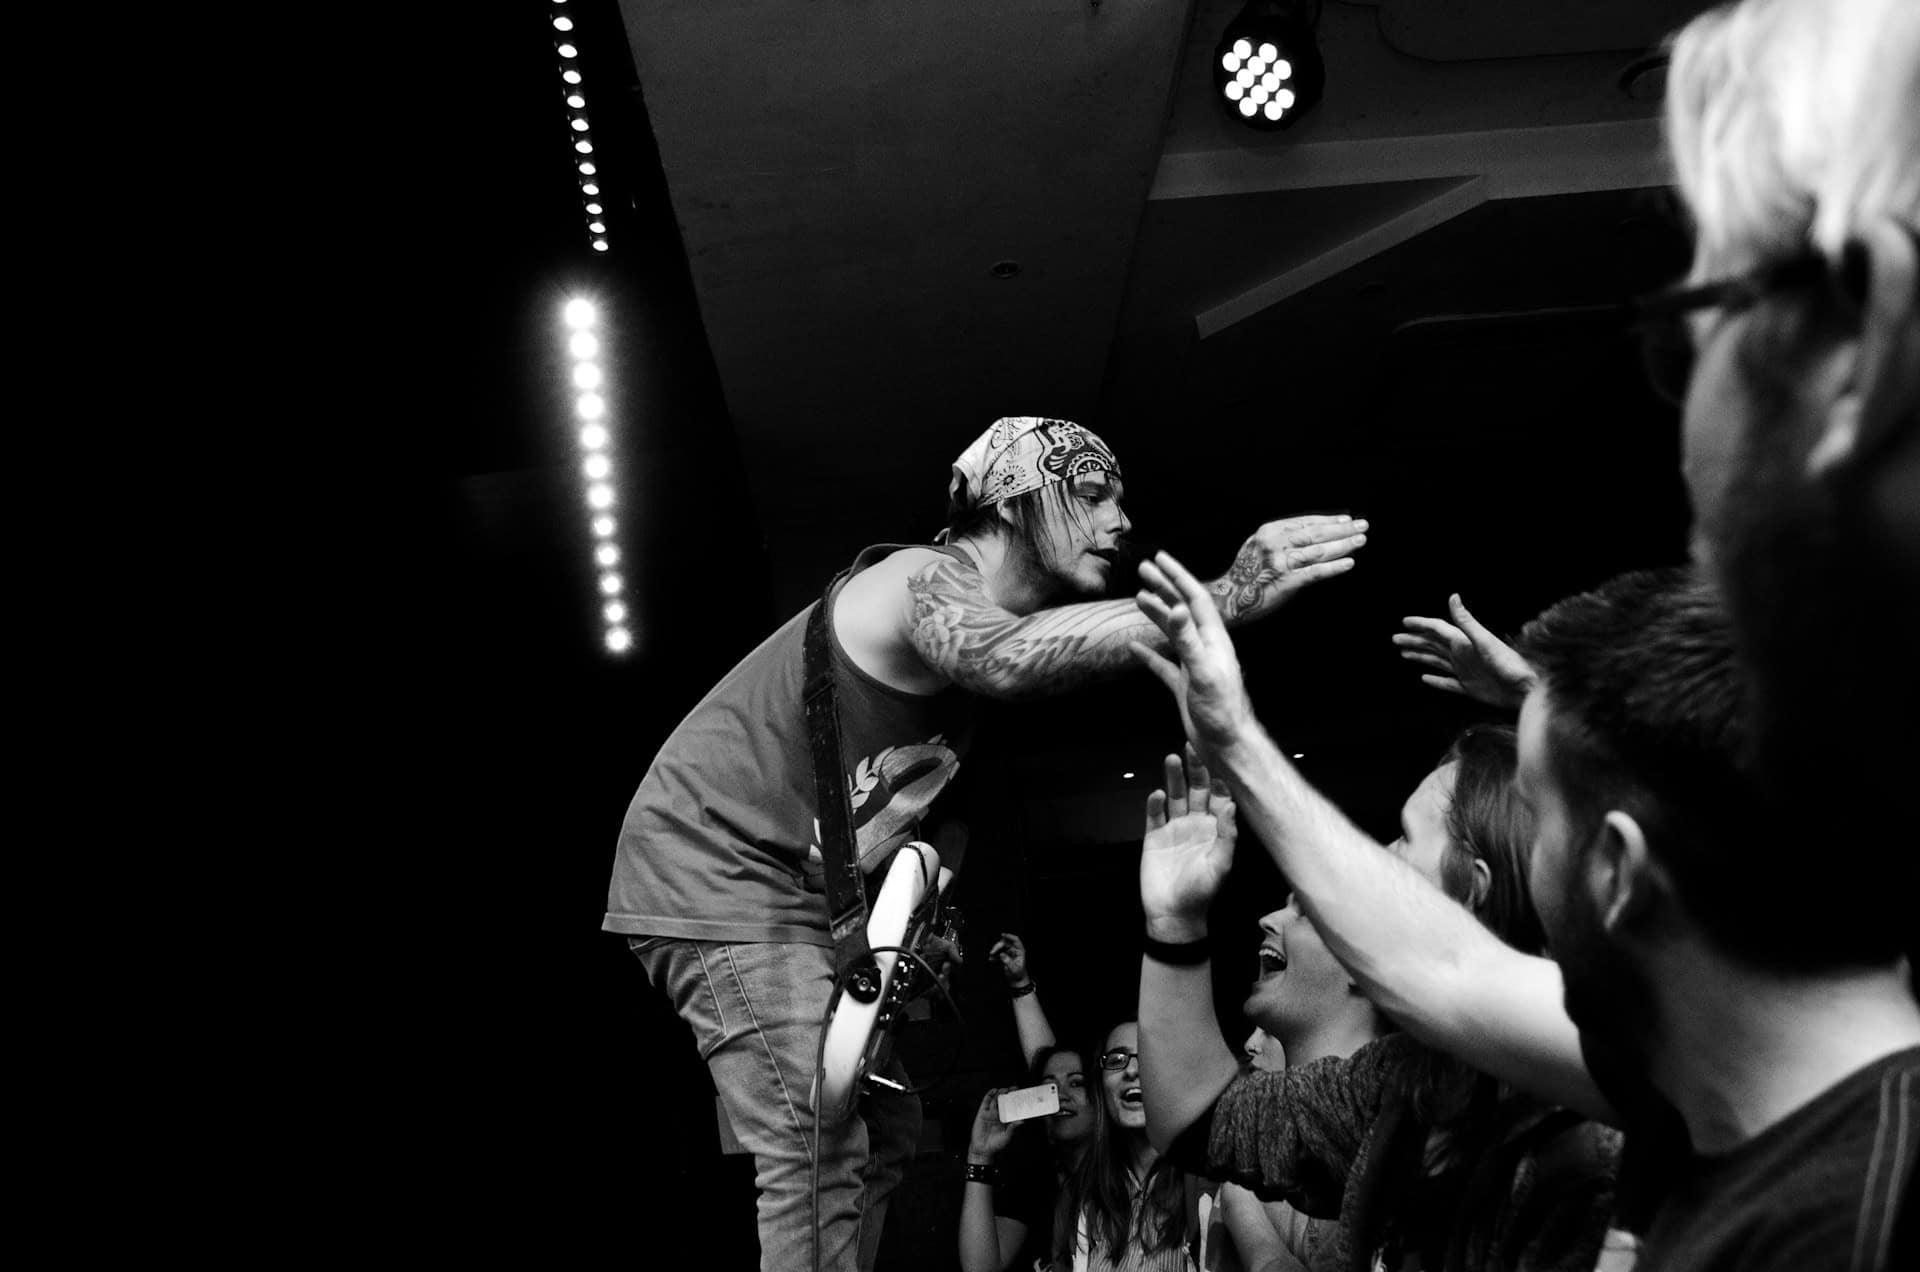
x=1443, y=682
x=1156, y=811
x=1176, y=778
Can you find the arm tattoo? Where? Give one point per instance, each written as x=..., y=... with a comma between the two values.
x=989, y=651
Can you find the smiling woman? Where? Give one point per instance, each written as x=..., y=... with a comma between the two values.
x=1121, y=1206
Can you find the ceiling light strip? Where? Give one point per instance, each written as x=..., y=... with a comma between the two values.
x=566, y=46
x=581, y=319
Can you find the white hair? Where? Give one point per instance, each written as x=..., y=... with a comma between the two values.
x=1793, y=123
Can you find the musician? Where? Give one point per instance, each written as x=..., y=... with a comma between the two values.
x=717, y=880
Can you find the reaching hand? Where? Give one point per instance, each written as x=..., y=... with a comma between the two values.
x=1470, y=659
x=1282, y=557
x=1011, y=953
x=1206, y=680
x=1188, y=850
x=990, y=1135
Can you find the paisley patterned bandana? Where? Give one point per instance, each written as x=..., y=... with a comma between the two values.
x=1021, y=453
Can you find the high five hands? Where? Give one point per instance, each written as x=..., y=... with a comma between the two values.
x=1466, y=658
x=1204, y=673
x=1188, y=850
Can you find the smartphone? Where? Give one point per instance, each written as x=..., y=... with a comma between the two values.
x=1033, y=1101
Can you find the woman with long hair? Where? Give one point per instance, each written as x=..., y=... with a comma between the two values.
x=1121, y=1208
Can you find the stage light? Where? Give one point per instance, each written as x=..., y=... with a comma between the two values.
x=576, y=101
x=1267, y=69
x=587, y=376
x=579, y=313
x=599, y=245
x=611, y=583
x=563, y=24
x=591, y=406
x=587, y=169
x=619, y=639
x=607, y=554
x=584, y=147
x=616, y=611
x=603, y=527
x=580, y=123
x=584, y=344
x=597, y=467
x=600, y=495
x=597, y=227
x=567, y=50
x=594, y=209
x=570, y=75
x=593, y=436
x=589, y=188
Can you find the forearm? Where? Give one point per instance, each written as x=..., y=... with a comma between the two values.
x=1030, y=1021
x=1185, y=1063
x=1418, y=954
x=981, y=1232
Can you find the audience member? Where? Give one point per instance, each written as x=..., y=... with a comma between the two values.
x=1419, y=1156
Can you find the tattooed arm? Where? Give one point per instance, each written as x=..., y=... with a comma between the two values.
x=968, y=640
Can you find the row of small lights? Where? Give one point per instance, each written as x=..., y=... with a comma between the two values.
x=591, y=407
x=582, y=136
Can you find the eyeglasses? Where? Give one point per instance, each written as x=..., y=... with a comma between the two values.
x=1666, y=348
x=1117, y=1059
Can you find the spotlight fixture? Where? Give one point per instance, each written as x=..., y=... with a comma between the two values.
x=1267, y=70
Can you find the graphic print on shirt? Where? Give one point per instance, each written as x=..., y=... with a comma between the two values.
x=890, y=792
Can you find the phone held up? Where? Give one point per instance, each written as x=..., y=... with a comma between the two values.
x=1030, y=1102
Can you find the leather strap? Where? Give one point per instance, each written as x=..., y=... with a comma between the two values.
x=846, y=891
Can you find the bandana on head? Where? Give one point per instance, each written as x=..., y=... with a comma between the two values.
x=1021, y=453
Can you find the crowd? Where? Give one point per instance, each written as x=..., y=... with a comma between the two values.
x=1634, y=986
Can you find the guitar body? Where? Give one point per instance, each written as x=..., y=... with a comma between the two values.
x=857, y=1033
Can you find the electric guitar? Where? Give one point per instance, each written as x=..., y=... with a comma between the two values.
x=859, y=1034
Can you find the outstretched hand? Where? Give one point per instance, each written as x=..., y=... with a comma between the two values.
x=1204, y=673
x=1281, y=557
x=1188, y=849
x=1466, y=658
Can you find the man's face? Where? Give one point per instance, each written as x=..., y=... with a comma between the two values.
x=1424, y=842
x=1075, y=1118
x=1300, y=981
x=1081, y=535
x=1607, y=994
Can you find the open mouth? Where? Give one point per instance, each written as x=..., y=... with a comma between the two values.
x=1130, y=1098
x=1273, y=961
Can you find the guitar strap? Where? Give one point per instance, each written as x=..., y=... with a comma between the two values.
x=846, y=891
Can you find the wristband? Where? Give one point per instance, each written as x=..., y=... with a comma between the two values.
x=983, y=1173
x=1021, y=991
x=1184, y=954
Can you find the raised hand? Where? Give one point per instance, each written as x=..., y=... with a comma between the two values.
x=1011, y=953
x=1204, y=674
x=989, y=1135
x=1465, y=657
x=1282, y=557
x=1187, y=851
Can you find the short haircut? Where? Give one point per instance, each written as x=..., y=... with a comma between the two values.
x=1487, y=821
x=1648, y=713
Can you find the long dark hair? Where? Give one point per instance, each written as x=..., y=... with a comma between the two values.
x=1486, y=823
x=1099, y=1187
